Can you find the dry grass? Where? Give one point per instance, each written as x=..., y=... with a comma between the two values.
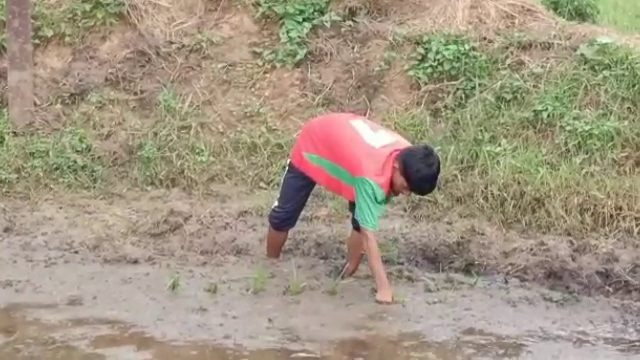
x=486, y=18
x=489, y=15
x=160, y=21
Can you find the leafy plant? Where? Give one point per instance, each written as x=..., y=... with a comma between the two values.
x=590, y=135
x=575, y=10
x=604, y=56
x=510, y=89
x=258, y=282
x=68, y=21
x=295, y=286
x=449, y=58
x=297, y=18
x=174, y=283
x=66, y=157
x=173, y=152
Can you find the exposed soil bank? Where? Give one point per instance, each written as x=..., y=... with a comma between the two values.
x=169, y=226
x=107, y=264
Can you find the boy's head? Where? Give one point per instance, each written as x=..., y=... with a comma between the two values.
x=416, y=171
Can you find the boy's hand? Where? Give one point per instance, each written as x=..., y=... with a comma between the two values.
x=384, y=295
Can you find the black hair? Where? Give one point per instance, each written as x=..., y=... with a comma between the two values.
x=420, y=166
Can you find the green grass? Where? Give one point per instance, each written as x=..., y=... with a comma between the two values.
x=552, y=149
x=548, y=149
x=621, y=14
x=259, y=280
x=65, y=159
x=296, y=19
x=295, y=286
x=68, y=22
x=174, y=283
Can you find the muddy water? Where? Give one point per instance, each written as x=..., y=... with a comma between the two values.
x=27, y=338
x=108, y=281
x=81, y=310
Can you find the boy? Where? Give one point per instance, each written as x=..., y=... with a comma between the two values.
x=364, y=163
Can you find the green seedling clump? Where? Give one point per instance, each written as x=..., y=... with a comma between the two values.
x=452, y=61
x=68, y=21
x=297, y=19
x=575, y=10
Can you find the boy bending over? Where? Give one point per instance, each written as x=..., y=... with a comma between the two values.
x=362, y=162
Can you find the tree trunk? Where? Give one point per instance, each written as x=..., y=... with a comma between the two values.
x=20, y=67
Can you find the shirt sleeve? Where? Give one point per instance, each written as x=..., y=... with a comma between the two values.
x=370, y=203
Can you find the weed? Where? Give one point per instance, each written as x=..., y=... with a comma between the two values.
x=68, y=22
x=620, y=14
x=297, y=18
x=211, y=288
x=335, y=283
x=174, y=152
x=174, y=283
x=333, y=288
x=400, y=298
x=255, y=155
x=3, y=25
x=585, y=136
x=8, y=174
x=604, y=57
x=90, y=13
x=449, y=59
x=575, y=10
x=509, y=89
x=258, y=281
x=387, y=61
x=202, y=42
x=295, y=286
x=67, y=158
x=5, y=127
x=389, y=251
x=548, y=147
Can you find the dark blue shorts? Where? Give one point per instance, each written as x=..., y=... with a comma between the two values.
x=294, y=192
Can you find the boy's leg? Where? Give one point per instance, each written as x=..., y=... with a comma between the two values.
x=294, y=193
x=355, y=246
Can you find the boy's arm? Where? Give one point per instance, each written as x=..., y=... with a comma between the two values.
x=384, y=293
x=369, y=207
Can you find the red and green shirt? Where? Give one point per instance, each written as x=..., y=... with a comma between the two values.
x=352, y=157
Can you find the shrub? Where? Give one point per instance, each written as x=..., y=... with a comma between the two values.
x=575, y=10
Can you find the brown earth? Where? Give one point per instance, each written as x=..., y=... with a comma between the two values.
x=204, y=51
x=91, y=279
x=159, y=226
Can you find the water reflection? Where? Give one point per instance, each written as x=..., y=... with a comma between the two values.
x=22, y=338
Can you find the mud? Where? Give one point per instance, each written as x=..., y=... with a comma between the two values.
x=167, y=276
x=97, y=311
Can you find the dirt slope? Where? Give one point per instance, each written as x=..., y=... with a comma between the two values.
x=93, y=279
x=206, y=51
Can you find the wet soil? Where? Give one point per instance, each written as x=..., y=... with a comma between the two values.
x=166, y=276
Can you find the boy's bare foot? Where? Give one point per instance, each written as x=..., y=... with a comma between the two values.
x=384, y=297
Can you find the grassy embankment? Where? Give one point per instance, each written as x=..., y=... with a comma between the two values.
x=620, y=14
x=552, y=145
